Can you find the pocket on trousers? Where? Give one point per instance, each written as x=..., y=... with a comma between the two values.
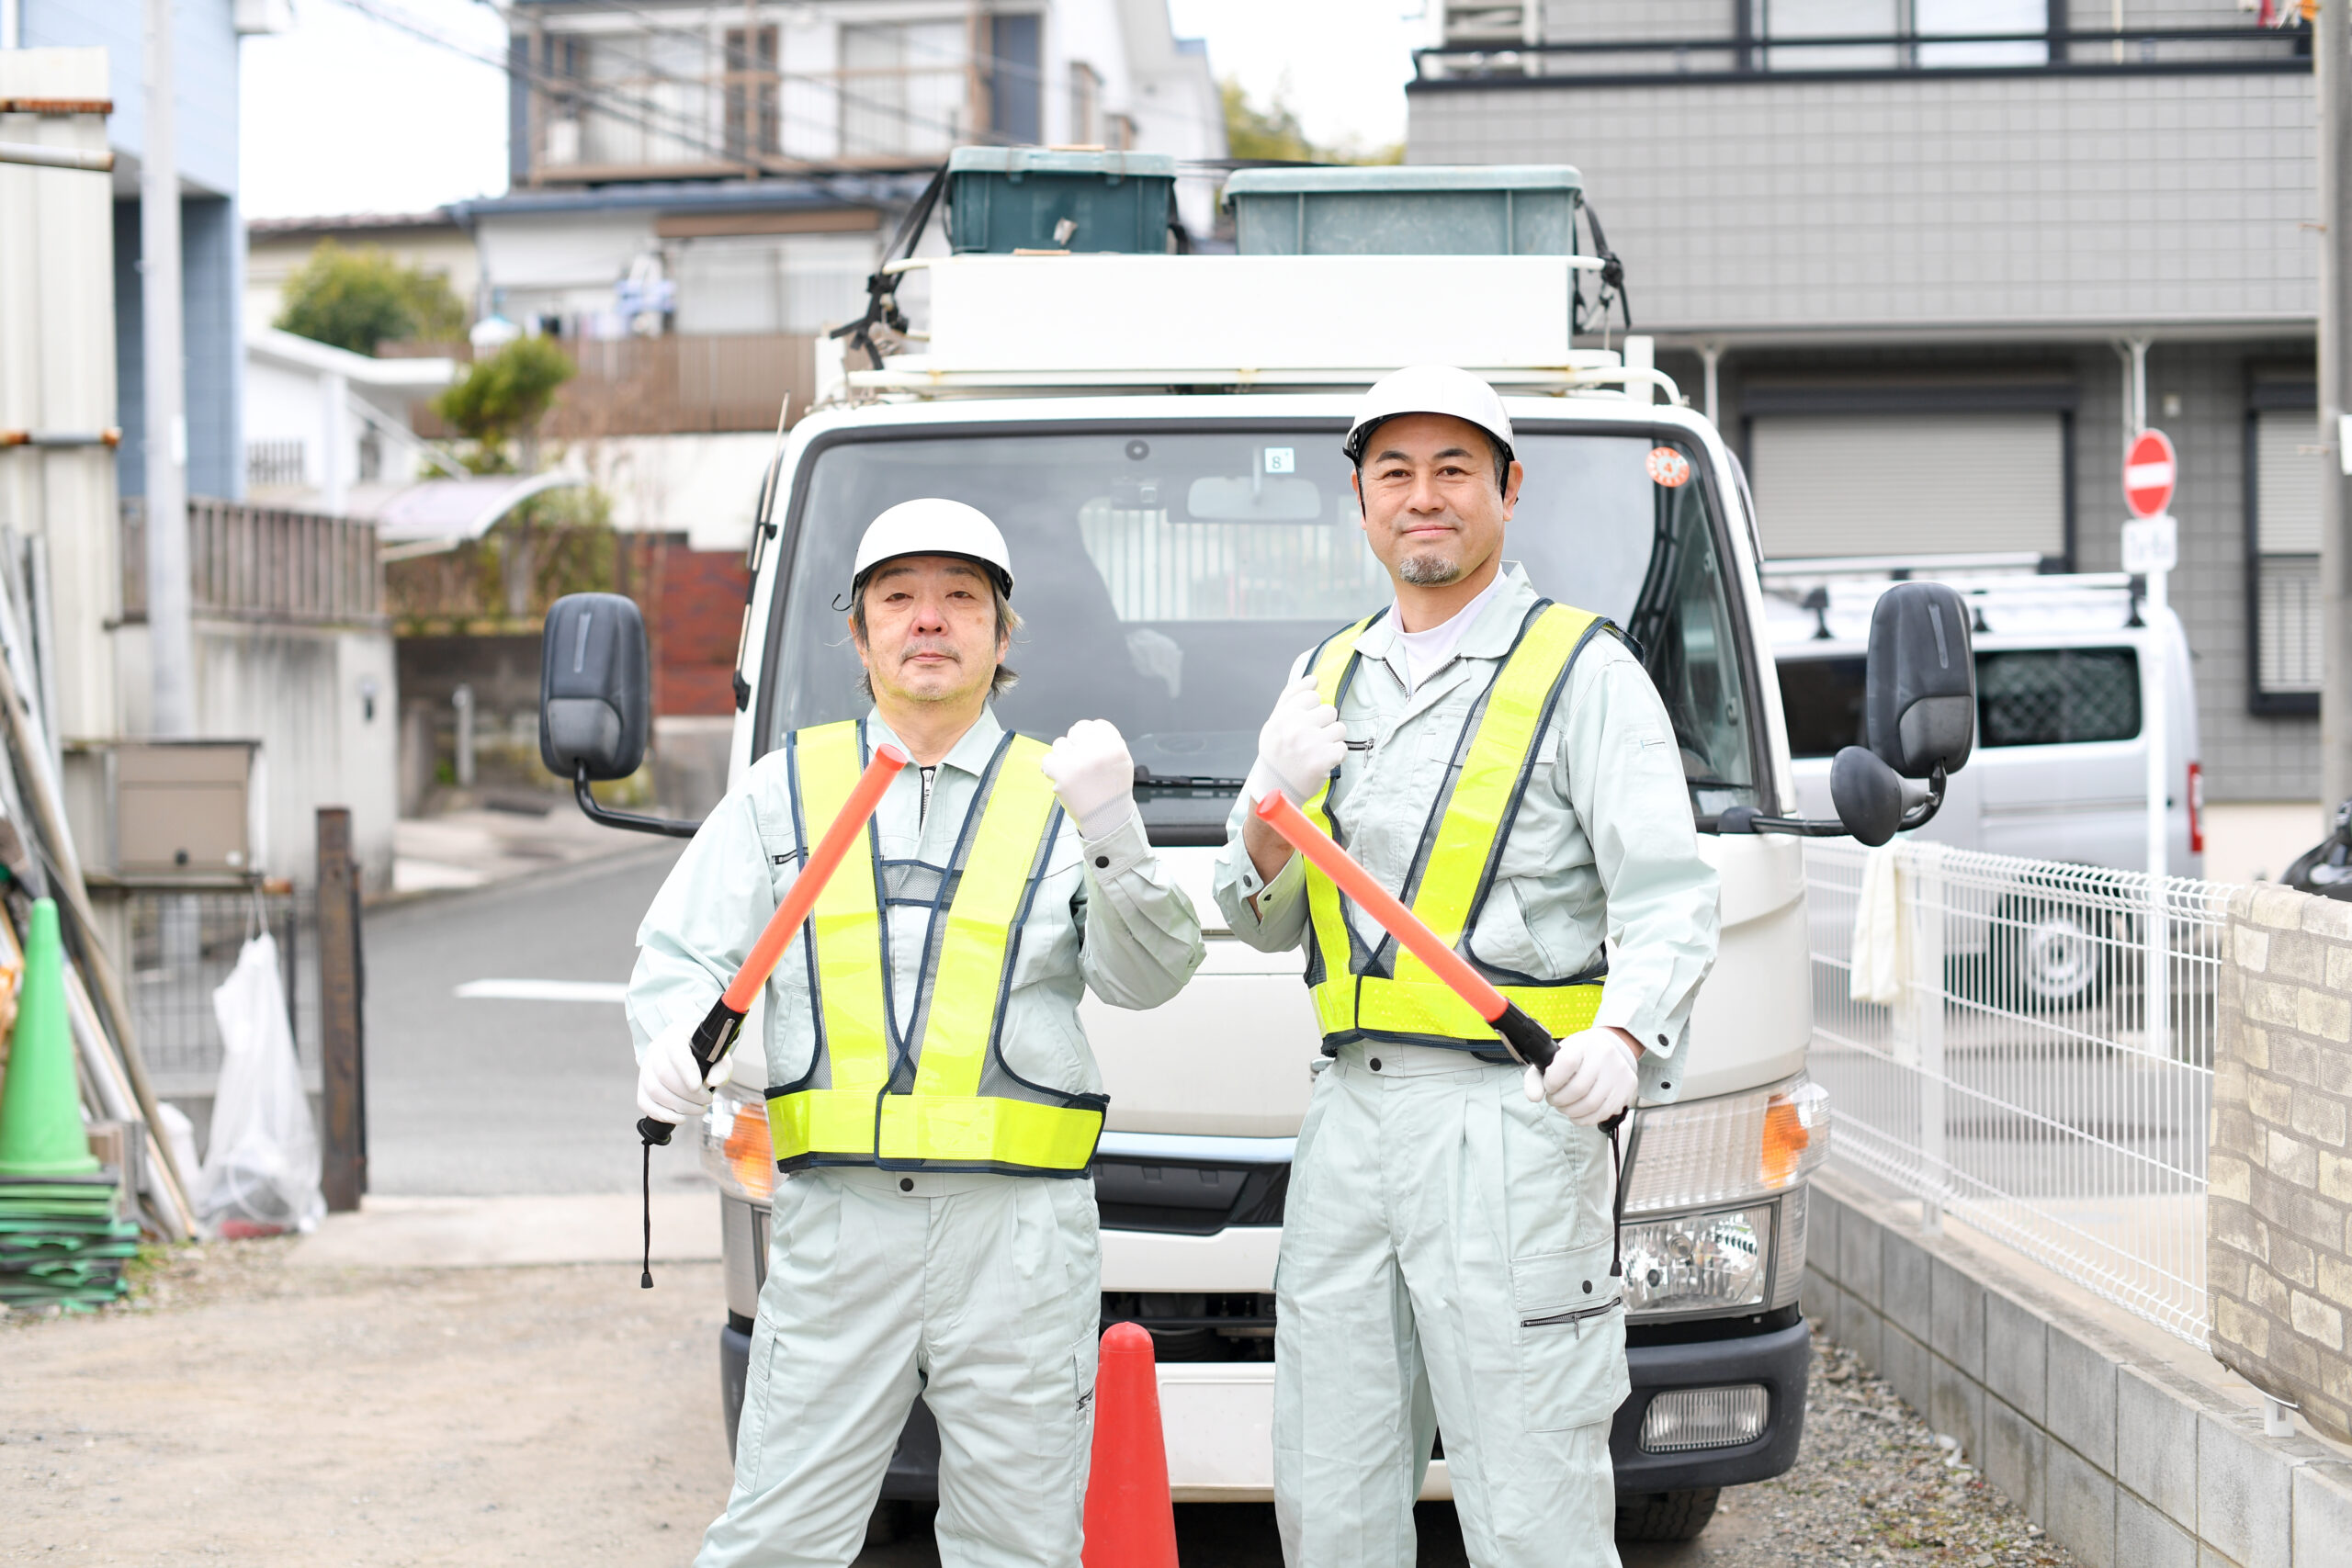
x=1567, y=1314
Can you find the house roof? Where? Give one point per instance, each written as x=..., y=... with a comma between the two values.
x=816, y=192
x=304, y=354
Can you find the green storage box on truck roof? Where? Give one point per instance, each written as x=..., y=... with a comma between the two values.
x=1002, y=199
x=1512, y=209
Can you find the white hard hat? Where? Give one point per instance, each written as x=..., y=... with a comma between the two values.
x=1427, y=389
x=934, y=526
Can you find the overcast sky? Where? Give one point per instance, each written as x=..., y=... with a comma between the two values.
x=348, y=113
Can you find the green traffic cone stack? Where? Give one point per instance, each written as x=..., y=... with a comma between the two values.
x=59, y=1239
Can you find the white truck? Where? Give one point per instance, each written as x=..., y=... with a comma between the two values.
x=1159, y=437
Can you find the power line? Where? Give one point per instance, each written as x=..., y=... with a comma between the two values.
x=994, y=64
x=641, y=113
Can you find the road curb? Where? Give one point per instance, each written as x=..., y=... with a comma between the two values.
x=2125, y=1455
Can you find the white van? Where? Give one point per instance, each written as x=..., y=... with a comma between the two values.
x=1158, y=438
x=2064, y=672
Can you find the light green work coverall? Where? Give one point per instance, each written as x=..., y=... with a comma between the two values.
x=1446, y=1243
x=979, y=1292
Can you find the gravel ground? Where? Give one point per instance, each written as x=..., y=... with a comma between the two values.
x=236, y=1409
x=1872, y=1487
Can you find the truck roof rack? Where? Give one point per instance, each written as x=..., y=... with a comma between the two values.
x=1130, y=322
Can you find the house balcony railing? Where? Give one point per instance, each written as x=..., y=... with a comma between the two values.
x=679, y=385
x=1837, y=57
x=267, y=564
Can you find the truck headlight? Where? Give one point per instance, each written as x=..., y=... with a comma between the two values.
x=735, y=1148
x=1712, y=1152
x=1711, y=1262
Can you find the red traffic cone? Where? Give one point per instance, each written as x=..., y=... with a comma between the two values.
x=1130, y=1520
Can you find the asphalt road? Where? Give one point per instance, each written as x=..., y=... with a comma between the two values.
x=469, y=1096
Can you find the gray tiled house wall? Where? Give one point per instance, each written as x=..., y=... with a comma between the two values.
x=2041, y=215
x=1945, y=200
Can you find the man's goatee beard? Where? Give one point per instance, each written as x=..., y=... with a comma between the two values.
x=1427, y=571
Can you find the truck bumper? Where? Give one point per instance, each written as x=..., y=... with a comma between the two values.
x=1218, y=1420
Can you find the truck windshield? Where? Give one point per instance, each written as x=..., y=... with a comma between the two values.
x=1167, y=580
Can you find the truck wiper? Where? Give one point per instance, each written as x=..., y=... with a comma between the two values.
x=1146, y=778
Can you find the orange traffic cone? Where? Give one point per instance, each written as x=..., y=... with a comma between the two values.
x=1130, y=1521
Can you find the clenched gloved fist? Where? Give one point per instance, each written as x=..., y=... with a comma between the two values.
x=1093, y=775
x=670, y=1085
x=1302, y=740
x=1595, y=1076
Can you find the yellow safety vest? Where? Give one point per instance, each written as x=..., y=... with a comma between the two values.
x=940, y=1097
x=1386, y=991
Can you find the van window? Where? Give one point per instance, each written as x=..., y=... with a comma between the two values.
x=2048, y=696
x=1167, y=580
x=2042, y=697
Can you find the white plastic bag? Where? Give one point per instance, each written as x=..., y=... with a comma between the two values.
x=261, y=1169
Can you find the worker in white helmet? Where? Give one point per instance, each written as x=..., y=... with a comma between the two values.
x=1503, y=764
x=932, y=1103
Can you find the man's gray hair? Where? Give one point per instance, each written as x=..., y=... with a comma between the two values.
x=1008, y=621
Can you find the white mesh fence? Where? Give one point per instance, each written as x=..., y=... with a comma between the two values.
x=1983, y=1024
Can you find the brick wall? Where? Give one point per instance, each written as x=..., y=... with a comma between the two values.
x=698, y=617
x=2278, y=1258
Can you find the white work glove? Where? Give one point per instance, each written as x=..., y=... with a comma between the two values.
x=670, y=1088
x=1595, y=1076
x=1302, y=740
x=1094, y=777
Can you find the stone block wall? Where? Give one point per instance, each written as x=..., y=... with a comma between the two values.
x=2279, y=1254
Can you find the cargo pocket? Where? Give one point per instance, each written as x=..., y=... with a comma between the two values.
x=1567, y=1311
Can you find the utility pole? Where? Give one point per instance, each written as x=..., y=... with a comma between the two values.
x=170, y=641
x=2332, y=48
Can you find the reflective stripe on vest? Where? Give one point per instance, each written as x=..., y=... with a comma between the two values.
x=1386, y=990
x=941, y=1096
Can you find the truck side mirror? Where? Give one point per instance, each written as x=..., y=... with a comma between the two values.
x=596, y=702
x=1867, y=795
x=595, y=687
x=1921, y=689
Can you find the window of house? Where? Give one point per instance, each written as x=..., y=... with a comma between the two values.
x=753, y=125
x=1015, y=79
x=768, y=283
x=563, y=61
x=1085, y=96
x=1966, y=481
x=2283, y=525
x=903, y=89
x=649, y=100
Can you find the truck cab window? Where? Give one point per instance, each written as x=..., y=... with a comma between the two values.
x=1168, y=577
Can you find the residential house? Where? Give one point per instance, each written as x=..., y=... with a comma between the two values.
x=699, y=194
x=1905, y=270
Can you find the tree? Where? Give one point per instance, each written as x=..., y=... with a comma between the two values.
x=501, y=399
x=356, y=300
x=1275, y=133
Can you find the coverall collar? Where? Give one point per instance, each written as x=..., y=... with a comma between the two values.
x=1489, y=636
x=970, y=755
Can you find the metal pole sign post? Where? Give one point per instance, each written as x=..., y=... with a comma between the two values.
x=2151, y=547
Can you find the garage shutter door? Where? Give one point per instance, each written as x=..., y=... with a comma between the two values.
x=2286, y=532
x=1907, y=484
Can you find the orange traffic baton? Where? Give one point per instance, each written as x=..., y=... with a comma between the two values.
x=715, y=1036
x=1525, y=1039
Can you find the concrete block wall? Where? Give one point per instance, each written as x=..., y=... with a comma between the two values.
x=2125, y=1460
x=2279, y=1256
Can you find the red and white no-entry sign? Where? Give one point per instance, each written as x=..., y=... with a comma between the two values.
x=2148, y=474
